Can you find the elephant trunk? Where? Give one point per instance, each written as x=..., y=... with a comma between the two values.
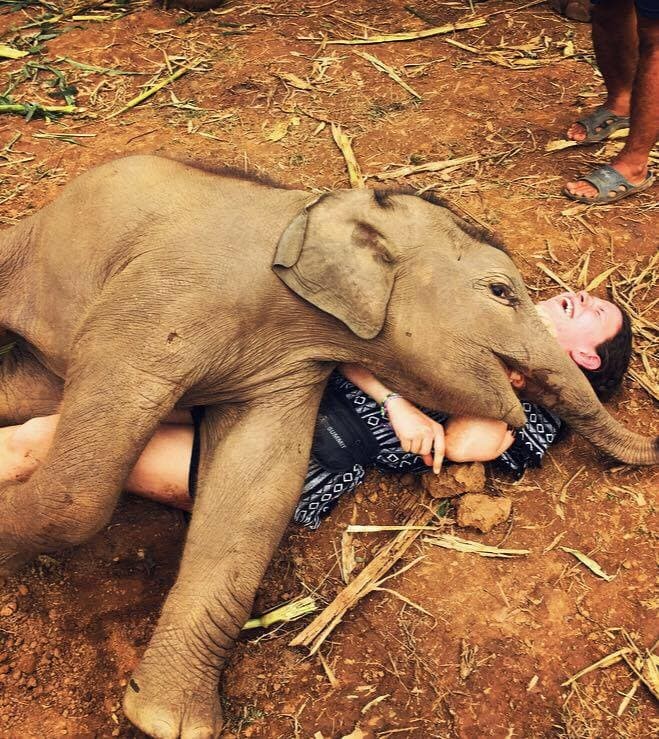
x=611, y=437
x=557, y=383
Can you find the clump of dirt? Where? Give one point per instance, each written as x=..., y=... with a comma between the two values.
x=482, y=512
x=457, y=645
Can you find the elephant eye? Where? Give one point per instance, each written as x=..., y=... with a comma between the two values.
x=503, y=292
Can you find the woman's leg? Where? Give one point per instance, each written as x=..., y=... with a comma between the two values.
x=161, y=473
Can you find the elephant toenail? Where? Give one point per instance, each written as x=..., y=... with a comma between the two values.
x=134, y=686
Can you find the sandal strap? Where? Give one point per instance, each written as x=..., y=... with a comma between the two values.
x=602, y=119
x=606, y=179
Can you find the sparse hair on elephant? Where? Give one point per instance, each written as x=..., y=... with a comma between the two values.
x=151, y=283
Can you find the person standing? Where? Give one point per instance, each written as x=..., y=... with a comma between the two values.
x=626, y=42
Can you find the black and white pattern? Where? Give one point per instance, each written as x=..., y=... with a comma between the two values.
x=322, y=489
x=532, y=441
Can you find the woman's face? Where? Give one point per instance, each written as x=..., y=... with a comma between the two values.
x=581, y=322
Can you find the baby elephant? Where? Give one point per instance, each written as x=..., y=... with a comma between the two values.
x=151, y=283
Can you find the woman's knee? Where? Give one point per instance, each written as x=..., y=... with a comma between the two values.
x=33, y=435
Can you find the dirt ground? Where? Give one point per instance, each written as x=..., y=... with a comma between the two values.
x=499, y=638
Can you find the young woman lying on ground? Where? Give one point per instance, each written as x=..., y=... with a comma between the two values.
x=362, y=424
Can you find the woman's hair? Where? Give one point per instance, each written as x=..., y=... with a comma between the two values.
x=615, y=354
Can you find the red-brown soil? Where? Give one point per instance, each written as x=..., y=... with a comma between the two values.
x=504, y=634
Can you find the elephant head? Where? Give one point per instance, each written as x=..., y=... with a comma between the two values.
x=442, y=310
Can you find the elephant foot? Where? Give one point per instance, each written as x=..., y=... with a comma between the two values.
x=168, y=713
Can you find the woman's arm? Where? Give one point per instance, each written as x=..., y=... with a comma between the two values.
x=416, y=432
x=471, y=439
x=463, y=438
x=365, y=380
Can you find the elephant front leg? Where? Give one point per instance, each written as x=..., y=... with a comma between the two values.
x=249, y=484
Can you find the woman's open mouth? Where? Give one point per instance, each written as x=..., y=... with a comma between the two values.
x=568, y=306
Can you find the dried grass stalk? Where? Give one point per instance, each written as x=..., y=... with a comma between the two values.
x=8, y=52
x=344, y=142
x=288, y=612
x=560, y=144
x=355, y=528
x=610, y=659
x=367, y=580
x=431, y=166
x=448, y=541
x=411, y=35
x=589, y=563
x=154, y=89
x=389, y=71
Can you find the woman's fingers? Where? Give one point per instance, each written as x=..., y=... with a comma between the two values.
x=426, y=443
x=439, y=445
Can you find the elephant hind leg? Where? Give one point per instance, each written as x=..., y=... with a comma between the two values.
x=27, y=388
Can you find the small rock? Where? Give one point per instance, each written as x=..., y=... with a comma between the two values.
x=373, y=497
x=407, y=480
x=8, y=610
x=23, y=589
x=438, y=486
x=482, y=512
x=470, y=477
x=32, y=682
x=359, y=497
x=27, y=663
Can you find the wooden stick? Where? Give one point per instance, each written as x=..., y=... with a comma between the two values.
x=367, y=580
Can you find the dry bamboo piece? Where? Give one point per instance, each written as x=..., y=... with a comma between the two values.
x=411, y=35
x=610, y=659
x=367, y=581
x=344, y=142
x=431, y=166
x=448, y=541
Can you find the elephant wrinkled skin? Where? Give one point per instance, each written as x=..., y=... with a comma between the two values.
x=151, y=283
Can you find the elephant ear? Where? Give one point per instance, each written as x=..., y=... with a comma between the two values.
x=334, y=256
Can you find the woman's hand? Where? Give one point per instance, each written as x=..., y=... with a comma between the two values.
x=417, y=432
